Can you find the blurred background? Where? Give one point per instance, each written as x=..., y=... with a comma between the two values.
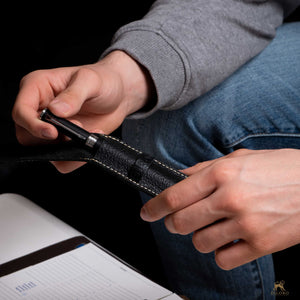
x=49, y=35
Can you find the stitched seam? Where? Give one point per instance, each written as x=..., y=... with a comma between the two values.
x=175, y=171
x=122, y=175
x=160, y=163
x=262, y=135
x=254, y=265
x=261, y=278
x=120, y=141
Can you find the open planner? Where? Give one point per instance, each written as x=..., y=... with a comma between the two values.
x=42, y=257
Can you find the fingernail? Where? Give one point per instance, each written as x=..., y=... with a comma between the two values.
x=144, y=214
x=60, y=107
x=46, y=133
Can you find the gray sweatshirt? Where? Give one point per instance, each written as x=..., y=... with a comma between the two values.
x=190, y=46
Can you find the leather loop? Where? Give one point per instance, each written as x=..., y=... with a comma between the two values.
x=140, y=167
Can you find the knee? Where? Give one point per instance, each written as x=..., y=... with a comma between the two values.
x=216, y=117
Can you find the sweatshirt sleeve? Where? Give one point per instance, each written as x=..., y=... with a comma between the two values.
x=191, y=46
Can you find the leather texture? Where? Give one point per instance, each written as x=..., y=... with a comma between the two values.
x=112, y=155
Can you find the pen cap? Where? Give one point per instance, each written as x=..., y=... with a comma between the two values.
x=65, y=127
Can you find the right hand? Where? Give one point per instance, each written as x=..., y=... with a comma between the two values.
x=97, y=97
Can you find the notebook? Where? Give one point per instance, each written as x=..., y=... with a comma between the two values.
x=42, y=257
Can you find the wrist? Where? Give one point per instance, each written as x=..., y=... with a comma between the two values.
x=137, y=85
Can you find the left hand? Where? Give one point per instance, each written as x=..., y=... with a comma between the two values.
x=97, y=97
x=242, y=206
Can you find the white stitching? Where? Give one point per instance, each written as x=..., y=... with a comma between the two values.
x=120, y=174
x=171, y=169
x=160, y=163
x=120, y=141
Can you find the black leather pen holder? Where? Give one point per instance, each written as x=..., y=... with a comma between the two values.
x=112, y=155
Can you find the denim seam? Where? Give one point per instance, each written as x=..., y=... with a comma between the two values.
x=262, y=135
x=257, y=278
x=261, y=278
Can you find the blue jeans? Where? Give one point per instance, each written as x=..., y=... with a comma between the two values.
x=258, y=107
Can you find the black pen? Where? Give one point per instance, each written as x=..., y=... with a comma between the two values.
x=69, y=129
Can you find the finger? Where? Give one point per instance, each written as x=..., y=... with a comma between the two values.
x=194, y=217
x=26, y=138
x=179, y=196
x=198, y=167
x=67, y=166
x=215, y=236
x=26, y=115
x=235, y=255
x=84, y=84
x=32, y=130
x=235, y=154
x=106, y=123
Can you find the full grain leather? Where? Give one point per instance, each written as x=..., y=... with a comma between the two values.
x=112, y=155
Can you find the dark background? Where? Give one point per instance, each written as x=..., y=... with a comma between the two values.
x=54, y=35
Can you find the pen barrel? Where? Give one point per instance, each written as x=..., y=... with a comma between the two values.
x=65, y=127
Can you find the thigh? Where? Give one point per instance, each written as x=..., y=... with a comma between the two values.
x=258, y=107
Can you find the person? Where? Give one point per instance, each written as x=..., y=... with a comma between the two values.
x=212, y=88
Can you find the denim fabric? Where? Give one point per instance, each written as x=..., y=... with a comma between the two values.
x=258, y=107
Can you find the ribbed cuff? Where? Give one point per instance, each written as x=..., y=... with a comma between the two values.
x=163, y=62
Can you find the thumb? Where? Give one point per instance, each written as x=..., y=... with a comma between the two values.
x=83, y=85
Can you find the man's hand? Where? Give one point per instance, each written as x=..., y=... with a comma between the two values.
x=242, y=206
x=97, y=97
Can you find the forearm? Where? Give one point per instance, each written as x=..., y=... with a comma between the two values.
x=189, y=47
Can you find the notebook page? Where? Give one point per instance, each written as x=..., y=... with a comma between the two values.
x=39, y=228
x=83, y=273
